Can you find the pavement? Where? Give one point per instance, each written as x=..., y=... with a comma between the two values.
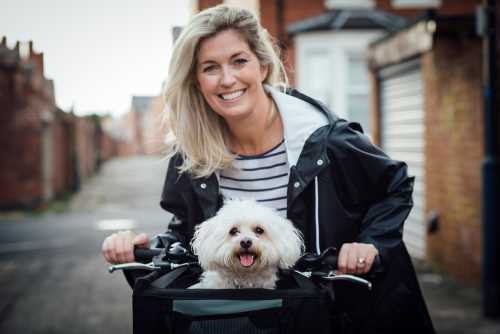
x=454, y=307
x=124, y=194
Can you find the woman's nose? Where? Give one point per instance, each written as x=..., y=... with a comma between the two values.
x=228, y=78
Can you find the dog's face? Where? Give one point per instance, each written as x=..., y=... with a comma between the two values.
x=246, y=237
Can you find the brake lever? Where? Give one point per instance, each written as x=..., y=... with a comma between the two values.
x=132, y=265
x=332, y=276
x=149, y=266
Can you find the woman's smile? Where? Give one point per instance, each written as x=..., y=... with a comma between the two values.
x=233, y=95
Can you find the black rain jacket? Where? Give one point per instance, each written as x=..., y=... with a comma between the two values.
x=343, y=189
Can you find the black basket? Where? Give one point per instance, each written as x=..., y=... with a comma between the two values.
x=162, y=304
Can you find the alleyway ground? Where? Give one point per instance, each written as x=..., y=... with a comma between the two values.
x=53, y=279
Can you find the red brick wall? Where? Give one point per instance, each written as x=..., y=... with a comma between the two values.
x=292, y=11
x=23, y=96
x=154, y=128
x=64, y=153
x=374, y=108
x=108, y=147
x=204, y=4
x=86, y=146
x=454, y=147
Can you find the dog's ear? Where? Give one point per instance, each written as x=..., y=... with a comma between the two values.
x=203, y=242
x=290, y=244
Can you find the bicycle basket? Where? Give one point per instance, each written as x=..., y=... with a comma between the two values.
x=162, y=304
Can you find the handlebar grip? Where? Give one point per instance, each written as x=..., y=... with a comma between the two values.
x=331, y=260
x=145, y=255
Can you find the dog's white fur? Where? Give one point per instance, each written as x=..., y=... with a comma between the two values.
x=217, y=242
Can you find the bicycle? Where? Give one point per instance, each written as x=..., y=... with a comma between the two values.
x=163, y=302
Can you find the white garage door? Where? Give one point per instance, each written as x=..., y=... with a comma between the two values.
x=402, y=138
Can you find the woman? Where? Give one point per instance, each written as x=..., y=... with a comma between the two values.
x=235, y=133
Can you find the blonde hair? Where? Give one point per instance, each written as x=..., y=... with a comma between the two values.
x=195, y=130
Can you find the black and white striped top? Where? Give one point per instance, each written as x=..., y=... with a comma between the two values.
x=262, y=177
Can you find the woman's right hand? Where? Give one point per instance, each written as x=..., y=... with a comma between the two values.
x=119, y=247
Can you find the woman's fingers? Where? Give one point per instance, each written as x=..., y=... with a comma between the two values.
x=356, y=258
x=119, y=247
x=141, y=240
x=370, y=258
x=106, y=250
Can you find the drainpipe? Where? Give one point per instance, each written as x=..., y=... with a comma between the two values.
x=490, y=175
x=280, y=21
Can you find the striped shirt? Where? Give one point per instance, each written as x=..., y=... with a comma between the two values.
x=263, y=178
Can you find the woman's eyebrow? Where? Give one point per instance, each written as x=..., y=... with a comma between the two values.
x=208, y=61
x=238, y=54
x=235, y=55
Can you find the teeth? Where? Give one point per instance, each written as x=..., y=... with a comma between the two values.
x=233, y=95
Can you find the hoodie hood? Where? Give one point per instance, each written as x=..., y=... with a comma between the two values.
x=300, y=120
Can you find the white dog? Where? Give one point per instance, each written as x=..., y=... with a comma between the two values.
x=244, y=245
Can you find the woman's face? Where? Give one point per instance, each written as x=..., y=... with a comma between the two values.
x=230, y=76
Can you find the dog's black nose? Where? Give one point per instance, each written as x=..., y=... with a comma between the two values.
x=246, y=243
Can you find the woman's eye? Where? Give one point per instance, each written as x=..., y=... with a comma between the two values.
x=241, y=61
x=210, y=68
x=233, y=231
x=259, y=230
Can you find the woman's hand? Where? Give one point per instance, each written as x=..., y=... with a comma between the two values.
x=119, y=247
x=356, y=258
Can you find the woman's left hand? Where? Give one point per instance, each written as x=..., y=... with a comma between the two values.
x=356, y=258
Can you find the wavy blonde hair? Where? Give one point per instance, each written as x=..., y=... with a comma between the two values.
x=195, y=130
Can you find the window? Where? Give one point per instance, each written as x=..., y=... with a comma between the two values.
x=317, y=63
x=335, y=4
x=358, y=108
x=416, y=3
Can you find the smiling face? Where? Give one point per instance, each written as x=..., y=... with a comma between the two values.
x=230, y=76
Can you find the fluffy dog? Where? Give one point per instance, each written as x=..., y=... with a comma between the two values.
x=244, y=245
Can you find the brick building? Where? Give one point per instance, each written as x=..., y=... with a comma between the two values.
x=28, y=108
x=427, y=94
x=46, y=152
x=141, y=130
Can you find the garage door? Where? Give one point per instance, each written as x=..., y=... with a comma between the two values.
x=402, y=137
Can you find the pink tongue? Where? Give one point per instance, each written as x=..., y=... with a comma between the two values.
x=246, y=260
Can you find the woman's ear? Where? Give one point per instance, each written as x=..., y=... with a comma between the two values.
x=264, y=71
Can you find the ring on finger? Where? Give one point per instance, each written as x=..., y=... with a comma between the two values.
x=361, y=262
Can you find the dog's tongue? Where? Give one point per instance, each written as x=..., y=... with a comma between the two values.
x=246, y=260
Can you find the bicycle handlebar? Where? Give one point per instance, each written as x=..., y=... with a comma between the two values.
x=145, y=255
x=320, y=266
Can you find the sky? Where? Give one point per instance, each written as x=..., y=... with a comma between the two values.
x=98, y=52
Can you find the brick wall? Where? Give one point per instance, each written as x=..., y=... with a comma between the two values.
x=154, y=128
x=46, y=152
x=453, y=117
x=454, y=146
x=204, y=4
x=276, y=22
x=26, y=99
x=87, y=150
x=64, y=153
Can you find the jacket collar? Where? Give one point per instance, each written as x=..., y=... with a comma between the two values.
x=300, y=120
x=302, y=117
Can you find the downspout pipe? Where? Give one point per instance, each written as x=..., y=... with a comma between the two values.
x=490, y=177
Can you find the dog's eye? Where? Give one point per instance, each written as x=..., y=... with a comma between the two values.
x=233, y=231
x=259, y=230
